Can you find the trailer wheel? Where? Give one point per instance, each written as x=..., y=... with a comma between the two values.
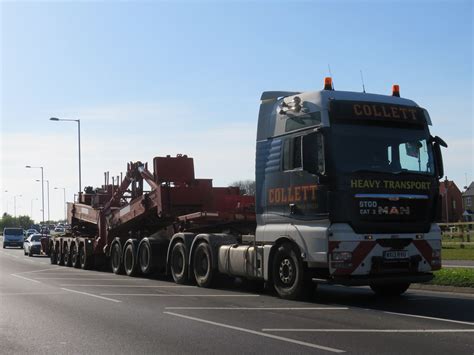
x=52, y=255
x=60, y=257
x=145, y=258
x=67, y=256
x=84, y=260
x=287, y=272
x=179, y=264
x=202, y=265
x=392, y=290
x=116, y=259
x=130, y=261
x=75, y=256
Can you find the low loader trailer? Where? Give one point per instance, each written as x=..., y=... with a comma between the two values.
x=346, y=193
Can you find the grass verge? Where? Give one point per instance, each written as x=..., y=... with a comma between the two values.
x=455, y=252
x=458, y=277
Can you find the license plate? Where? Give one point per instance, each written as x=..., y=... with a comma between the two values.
x=395, y=254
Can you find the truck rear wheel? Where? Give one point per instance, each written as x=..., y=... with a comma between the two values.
x=52, y=255
x=60, y=257
x=179, y=263
x=75, y=256
x=202, y=265
x=129, y=261
x=84, y=259
x=116, y=259
x=390, y=290
x=67, y=256
x=145, y=258
x=287, y=272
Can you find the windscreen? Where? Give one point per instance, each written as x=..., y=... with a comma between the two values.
x=359, y=148
x=36, y=238
x=13, y=231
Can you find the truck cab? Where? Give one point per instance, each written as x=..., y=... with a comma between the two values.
x=348, y=182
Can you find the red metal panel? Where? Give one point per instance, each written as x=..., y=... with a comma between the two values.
x=173, y=169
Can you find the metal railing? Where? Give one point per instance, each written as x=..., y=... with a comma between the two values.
x=459, y=231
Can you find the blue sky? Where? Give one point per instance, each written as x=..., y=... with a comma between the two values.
x=153, y=78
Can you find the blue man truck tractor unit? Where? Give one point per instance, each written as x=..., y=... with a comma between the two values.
x=346, y=193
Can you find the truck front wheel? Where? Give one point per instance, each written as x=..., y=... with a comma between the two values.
x=390, y=290
x=287, y=272
x=202, y=265
x=179, y=263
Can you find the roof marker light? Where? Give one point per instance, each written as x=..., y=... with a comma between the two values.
x=396, y=90
x=328, y=83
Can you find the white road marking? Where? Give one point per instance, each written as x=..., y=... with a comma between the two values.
x=25, y=278
x=82, y=278
x=30, y=293
x=171, y=295
x=90, y=294
x=254, y=332
x=131, y=286
x=370, y=330
x=460, y=266
x=264, y=308
x=432, y=318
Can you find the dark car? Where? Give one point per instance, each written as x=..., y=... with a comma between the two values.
x=13, y=237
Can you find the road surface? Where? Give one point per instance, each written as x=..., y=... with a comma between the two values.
x=48, y=309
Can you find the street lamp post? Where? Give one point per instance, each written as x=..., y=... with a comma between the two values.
x=78, y=143
x=42, y=186
x=64, y=200
x=47, y=196
x=14, y=203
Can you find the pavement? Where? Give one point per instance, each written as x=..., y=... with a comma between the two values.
x=47, y=309
x=459, y=263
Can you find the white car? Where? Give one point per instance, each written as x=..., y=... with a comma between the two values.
x=32, y=245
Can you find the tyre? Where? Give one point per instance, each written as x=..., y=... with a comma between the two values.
x=60, y=257
x=130, y=261
x=288, y=272
x=67, y=256
x=24, y=251
x=391, y=290
x=145, y=258
x=52, y=255
x=75, y=260
x=202, y=265
x=179, y=263
x=84, y=260
x=4, y=245
x=30, y=254
x=116, y=259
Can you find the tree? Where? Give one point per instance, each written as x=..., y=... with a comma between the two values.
x=247, y=187
x=19, y=222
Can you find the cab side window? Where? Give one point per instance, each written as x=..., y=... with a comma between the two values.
x=292, y=154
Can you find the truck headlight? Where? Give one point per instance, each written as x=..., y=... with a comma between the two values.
x=341, y=256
